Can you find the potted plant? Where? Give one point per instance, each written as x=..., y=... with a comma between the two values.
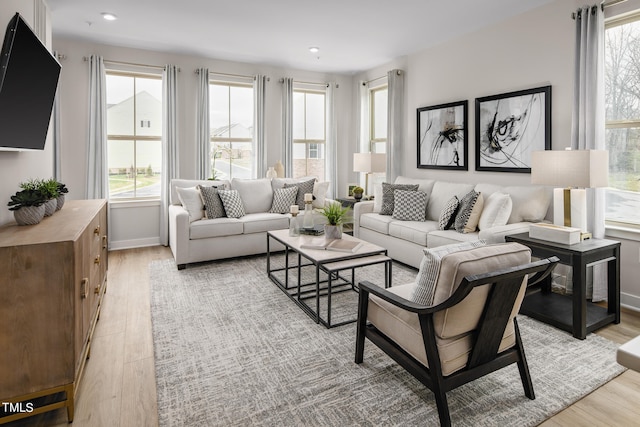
x=62, y=190
x=336, y=216
x=357, y=193
x=28, y=206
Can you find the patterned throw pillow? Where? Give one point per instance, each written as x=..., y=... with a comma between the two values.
x=469, y=212
x=233, y=206
x=303, y=188
x=283, y=198
x=387, y=195
x=212, y=203
x=409, y=205
x=429, y=271
x=448, y=214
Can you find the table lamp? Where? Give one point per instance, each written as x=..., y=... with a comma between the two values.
x=574, y=170
x=369, y=163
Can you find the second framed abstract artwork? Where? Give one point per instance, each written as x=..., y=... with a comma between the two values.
x=443, y=136
x=509, y=127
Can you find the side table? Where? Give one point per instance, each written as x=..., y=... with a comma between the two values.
x=574, y=313
x=347, y=202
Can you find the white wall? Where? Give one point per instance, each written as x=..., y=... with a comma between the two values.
x=531, y=50
x=137, y=224
x=16, y=167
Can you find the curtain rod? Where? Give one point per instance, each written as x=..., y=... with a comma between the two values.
x=373, y=80
x=132, y=64
x=230, y=75
x=603, y=5
x=307, y=83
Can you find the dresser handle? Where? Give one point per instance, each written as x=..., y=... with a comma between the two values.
x=96, y=231
x=104, y=242
x=97, y=290
x=97, y=260
x=83, y=287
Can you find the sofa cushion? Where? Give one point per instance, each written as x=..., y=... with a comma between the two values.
x=447, y=237
x=413, y=231
x=425, y=185
x=256, y=194
x=261, y=222
x=376, y=222
x=388, y=195
x=283, y=199
x=441, y=194
x=218, y=227
x=233, y=206
x=430, y=269
x=496, y=211
x=530, y=203
x=469, y=212
x=304, y=187
x=448, y=214
x=190, y=199
x=409, y=205
x=212, y=204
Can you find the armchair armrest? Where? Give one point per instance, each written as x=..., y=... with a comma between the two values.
x=496, y=234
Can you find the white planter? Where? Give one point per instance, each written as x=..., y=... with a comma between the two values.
x=332, y=231
x=29, y=215
x=60, y=202
x=50, y=207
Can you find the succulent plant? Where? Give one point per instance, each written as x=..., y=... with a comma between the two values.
x=27, y=197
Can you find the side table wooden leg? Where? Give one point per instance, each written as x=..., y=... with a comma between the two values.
x=579, y=299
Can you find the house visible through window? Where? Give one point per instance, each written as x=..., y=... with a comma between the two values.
x=622, y=80
x=309, y=132
x=134, y=135
x=231, y=121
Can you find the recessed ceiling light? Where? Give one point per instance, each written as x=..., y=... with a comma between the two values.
x=109, y=16
x=314, y=49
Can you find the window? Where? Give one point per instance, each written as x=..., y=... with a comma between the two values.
x=309, y=133
x=134, y=135
x=622, y=98
x=379, y=119
x=231, y=120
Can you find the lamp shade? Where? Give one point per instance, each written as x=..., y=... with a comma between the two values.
x=369, y=162
x=570, y=168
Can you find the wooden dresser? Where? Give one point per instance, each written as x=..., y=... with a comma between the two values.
x=52, y=279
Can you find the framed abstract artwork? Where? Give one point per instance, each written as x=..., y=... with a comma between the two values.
x=443, y=136
x=510, y=126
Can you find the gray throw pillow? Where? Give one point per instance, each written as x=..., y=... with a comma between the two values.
x=233, y=206
x=409, y=205
x=304, y=187
x=387, y=195
x=283, y=198
x=448, y=214
x=212, y=204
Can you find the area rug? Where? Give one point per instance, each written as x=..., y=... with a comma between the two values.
x=231, y=349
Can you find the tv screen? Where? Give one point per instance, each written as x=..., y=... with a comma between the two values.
x=28, y=82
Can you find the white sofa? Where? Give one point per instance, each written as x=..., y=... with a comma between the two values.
x=405, y=240
x=194, y=239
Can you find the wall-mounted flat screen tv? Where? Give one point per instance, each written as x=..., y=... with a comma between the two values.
x=28, y=82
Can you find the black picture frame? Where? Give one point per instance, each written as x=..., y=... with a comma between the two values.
x=510, y=126
x=443, y=138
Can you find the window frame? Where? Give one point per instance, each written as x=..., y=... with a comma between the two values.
x=134, y=138
x=373, y=141
x=317, y=143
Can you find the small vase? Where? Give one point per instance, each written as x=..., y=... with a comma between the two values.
x=294, y=226
x=357, y=196
x=29, y=215
x=60, y=202
x=332, y=232
x=307, y=221
x=279, y=167
x=50, y=207
x=271, y=173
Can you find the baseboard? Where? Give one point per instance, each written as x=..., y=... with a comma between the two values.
x=134, y=243
x=632, y=302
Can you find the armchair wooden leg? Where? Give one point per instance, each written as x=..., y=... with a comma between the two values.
x=523, y=366
x=443, y=408
x=363, y=305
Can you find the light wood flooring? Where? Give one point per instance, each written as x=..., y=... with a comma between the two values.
x=118, y=387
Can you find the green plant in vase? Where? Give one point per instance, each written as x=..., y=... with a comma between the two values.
x=336, y=215
x=28, y=206
x=48, y=189
x=357, y=192
x=62, y=190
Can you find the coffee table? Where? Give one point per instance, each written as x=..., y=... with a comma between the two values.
x=331, y=263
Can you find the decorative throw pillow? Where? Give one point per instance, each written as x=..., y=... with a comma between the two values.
x=283, y=198
x=448, y=214
x=429, y=271
x=496, y=211
x=409, y=205
x=212, y=204
x=387, y=195
x=469, y=212
x=319, y=193
x=192, y=202
x=233, y=206
x=304, y=187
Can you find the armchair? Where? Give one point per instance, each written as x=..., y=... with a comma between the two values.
x=469, y=331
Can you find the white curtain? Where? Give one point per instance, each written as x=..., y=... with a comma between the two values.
x=395, y=124
x=97, y=178
x=55, y=121
x=331, y=146
x=259, y=126
x=588, y=123
x=169, y=145
x=287, y=125
x=203, y=137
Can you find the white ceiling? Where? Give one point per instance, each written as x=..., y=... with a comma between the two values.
x=353, y=35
